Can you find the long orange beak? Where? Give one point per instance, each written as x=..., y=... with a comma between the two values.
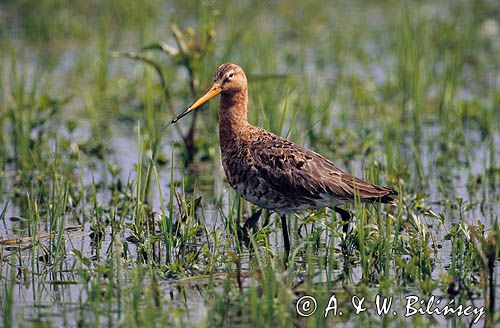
x=212, y=92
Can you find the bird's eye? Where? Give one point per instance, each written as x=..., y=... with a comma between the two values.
x=230, y=75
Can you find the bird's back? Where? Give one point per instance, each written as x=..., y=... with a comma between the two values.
x=275, y=173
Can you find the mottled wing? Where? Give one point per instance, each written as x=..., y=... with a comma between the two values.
x=301, y=173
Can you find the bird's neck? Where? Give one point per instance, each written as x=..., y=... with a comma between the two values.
x=233, y=114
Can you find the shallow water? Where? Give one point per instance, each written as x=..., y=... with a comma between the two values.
x=59, y=292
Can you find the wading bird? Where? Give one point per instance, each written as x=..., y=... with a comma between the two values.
x=272, y=172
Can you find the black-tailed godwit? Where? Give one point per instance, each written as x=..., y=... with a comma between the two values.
x=272, y=172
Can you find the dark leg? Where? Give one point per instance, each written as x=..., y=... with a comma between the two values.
x=248, y=226
x=286, y=240
x=251, y=221
x=346, y=218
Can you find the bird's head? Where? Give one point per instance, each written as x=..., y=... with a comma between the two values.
x=228, y=79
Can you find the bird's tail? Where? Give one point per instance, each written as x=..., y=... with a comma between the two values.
x=391, y=199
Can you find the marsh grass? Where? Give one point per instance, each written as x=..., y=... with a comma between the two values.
x=94, y=234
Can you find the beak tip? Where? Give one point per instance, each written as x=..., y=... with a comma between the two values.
x=215, y=90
